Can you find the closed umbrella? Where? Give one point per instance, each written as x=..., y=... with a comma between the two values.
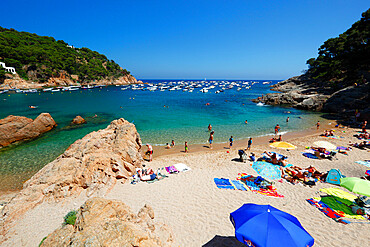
x=282, y=145
x=325, y=144
x=356, y=185
x=266, y=226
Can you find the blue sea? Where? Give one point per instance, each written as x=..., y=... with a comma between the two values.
x=159, y=116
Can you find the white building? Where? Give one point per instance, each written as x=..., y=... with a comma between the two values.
x=8, y=69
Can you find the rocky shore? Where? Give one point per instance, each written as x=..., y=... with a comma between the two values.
x=14, y=129
x=16, y=82
x=93, y=165
x=304, y=93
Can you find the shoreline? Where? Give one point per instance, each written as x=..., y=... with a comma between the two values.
x=160, y=151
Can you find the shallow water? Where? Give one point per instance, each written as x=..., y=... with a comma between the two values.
x=159, y=117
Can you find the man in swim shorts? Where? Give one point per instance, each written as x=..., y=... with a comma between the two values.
x=249, y=143
x=211, y=139
x=231, y=140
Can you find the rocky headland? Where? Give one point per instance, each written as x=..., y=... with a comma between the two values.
x=103, y=222
x=15, y=129
x=91, y=165
x=302, y=92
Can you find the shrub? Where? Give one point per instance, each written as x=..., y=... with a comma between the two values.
x=70, y=218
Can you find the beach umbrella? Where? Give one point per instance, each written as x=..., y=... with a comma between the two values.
x=267, y=170
x=356, y=185
x=282, y=145
x=325, y=144
x=266, y=226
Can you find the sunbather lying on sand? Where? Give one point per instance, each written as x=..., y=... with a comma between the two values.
x=146, y=174
x=275, y=160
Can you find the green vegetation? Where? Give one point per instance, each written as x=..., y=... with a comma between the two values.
x=42, y=241
x=344, y=60
x=70, y=218
x=41, y=57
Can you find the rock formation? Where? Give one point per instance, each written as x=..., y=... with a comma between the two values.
x=78, y=120
x=16, y=129
x=103, y=222
x=303, y=93
x=92, y=164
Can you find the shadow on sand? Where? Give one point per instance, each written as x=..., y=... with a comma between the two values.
x=223, y=241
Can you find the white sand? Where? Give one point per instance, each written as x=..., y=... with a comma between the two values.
x=198, y=212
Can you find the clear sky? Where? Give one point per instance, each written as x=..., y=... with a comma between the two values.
x=186, y=39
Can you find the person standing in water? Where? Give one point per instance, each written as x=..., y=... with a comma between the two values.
x=277, y=128
x=173, y=143
x=186, y=147
x=287, y=119
x=231, y=140
x=211, y=139
x=209, y=127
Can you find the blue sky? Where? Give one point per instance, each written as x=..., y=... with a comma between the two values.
x=186, y=39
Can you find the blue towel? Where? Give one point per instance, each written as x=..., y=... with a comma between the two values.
x=223, y=183
x=309, y=155
x=238, y=185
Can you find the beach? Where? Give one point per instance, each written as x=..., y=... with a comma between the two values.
x=198, y=212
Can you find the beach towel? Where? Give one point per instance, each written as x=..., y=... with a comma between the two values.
x=309, y=155
x=171, y=169
x=324, y=208
x=182, y=167
x=365, y=163
x=340, y=195
x=223, y=183
x=340, y=207
x=240, y=186
x=248, y=180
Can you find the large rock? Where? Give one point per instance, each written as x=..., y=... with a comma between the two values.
x=92, y=164
x=102, y=222
x=78, y=120
x=16, y=129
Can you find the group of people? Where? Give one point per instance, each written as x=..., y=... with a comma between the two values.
x=328, y=133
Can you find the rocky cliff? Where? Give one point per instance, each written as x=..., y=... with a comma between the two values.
x=15, y=129
x=102, y=222
x=304, y=93
x=91, y=165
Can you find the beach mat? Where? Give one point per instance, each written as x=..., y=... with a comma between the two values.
x=223, y=183
x=182, y=167
x=238, y=185
x=365, y=163
x=309, y=155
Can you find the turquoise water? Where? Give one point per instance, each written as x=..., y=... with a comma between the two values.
x=185, y=117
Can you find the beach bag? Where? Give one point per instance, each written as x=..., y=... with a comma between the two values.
x=334, y=176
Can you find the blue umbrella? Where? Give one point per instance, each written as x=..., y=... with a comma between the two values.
x=267, y=170
x=266, y=226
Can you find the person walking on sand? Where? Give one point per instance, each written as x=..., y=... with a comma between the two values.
x=231, y=140
x=149, y=152
x=211, y=139
x=186, y=147
x=318, y=125
x=209, y=127
x=249, y=143
x=277, y=128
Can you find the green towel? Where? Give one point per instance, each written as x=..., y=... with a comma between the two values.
x=340, y=195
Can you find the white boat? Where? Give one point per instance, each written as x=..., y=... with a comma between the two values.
x=47, y=89
x=55, y=90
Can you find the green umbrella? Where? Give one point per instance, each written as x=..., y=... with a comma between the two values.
x=356, y=185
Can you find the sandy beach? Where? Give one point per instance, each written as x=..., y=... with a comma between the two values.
x=198, y=212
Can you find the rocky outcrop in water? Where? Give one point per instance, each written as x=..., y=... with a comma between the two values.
x=78, y=120
x=15, y=129
x=304, y=93
x=102, y=222
x=92, y=165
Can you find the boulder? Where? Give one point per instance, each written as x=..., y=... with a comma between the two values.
x=92, y=165
x=15, y=129
x=103, y=222
x=78, y=120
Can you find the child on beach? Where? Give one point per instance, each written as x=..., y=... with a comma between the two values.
x=168, y=146
x=231, y=140
x=186, y=147
x=211, y=139
x=249, y=143
x=173, y=143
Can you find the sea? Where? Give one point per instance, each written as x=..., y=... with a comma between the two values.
x=159, y=116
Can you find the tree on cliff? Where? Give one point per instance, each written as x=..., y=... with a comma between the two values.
x=345, y=59
x=41, y=57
